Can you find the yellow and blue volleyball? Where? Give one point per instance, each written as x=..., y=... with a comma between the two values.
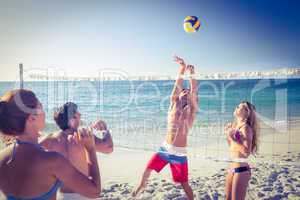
x=191, y=24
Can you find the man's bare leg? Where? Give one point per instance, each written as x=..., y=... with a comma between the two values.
x=143, y=182
x=188, y=190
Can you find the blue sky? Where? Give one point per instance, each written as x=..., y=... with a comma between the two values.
x=140, y=36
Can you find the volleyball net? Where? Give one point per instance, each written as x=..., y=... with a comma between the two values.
x=135, y=108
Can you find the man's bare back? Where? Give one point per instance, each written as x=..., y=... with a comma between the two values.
x=74, y=152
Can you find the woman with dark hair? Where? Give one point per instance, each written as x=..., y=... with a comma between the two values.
x=27, y=171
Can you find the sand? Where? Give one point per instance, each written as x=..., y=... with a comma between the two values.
x=275, y=177
x=275, y=173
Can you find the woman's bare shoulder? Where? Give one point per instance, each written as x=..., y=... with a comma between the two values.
x=54, y=141
x=50, y=159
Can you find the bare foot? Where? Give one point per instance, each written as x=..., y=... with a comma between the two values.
x=137, y=190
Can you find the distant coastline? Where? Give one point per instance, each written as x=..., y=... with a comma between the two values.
x=282, y=73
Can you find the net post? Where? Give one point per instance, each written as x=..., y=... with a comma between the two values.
x=21, y=76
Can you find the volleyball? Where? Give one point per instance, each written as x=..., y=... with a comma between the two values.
x=191, y=24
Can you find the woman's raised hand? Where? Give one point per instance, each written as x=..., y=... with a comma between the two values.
x=229, y=130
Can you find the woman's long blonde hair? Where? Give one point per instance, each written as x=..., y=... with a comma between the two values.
x=253, y=123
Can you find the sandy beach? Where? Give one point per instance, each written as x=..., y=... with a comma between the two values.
x=277, y=178
x=275, y=173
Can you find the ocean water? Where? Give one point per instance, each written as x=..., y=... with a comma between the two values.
x=136, y=111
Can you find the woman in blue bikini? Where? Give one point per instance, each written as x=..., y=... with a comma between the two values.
x=27, y=172
x=242, y=137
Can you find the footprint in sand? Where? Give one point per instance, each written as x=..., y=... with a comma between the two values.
x=171, y=195
x=265, y=189
x=272, y=177
x=150, y=189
